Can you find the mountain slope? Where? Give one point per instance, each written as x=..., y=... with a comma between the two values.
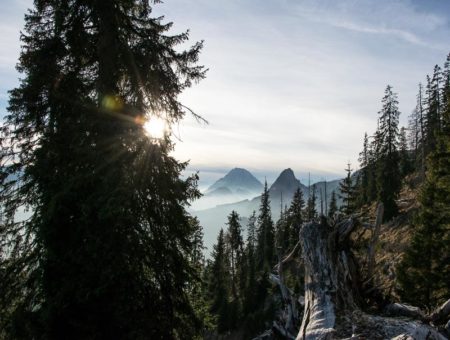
x=285, y=186
x=238, y=180
x=237, y=185
x=216, y=205
x=214, y=218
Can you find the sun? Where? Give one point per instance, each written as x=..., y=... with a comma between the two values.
x=155, y=127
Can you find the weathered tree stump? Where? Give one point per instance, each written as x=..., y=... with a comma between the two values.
x=330, y=278
x=333, y=292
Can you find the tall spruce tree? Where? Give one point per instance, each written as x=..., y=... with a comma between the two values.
x=250, y=256
x=197, y=289
x=422, y=133
x=405, y=158
x=374, y=150
x=417, y=133
x=433, y=110
x=445, y=93
x=310, y=212
x=332, y=209
x=235, y=252
x=282, y=233
x=251, y=232
x=266, y=233
x=105, y=253
x=218, y=284
x=424, y=273
x=295, y=217
x=388, y=172
x=196, y=255
x=413, y=138
x=364, y=164
x=348, y=193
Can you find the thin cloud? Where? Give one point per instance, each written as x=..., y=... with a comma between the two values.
x=402, y=34
x=400, y=19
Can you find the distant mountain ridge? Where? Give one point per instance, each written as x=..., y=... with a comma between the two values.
x=214, y=218
x=238, y=180
x=218, y=203
x=237, y=185
x=284, y=187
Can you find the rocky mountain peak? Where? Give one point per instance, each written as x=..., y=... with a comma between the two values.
x=238, y=179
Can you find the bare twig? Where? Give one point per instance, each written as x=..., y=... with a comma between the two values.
x=289, y=257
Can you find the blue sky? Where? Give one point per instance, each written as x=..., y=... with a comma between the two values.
x=290, y=83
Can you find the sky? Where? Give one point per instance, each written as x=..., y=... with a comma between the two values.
x=290, y=83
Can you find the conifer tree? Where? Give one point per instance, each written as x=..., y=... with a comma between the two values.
x=388, y=174
x=332, y=209
x=251, y=232
x=282, y=232
x=417, y=133
x=250, y=255
x=445, y=91
x=433, y=110
x=405, y=160
x=197, y=290
x=197, y=256
x=295, y=217
x=413, y=133
x=424, y=273
x=266, y=233
x=265, y=259
x=422, y=133
x=348, y=193
x=364, y=163
x=374, y=150
x=105, y=253
x=235, y=251
x=218, y=284
x=310, y=210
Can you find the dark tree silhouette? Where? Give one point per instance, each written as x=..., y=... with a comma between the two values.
x=219, y=284
x=265, y=250
x=388, y=172
x=106, y=251
x=332, y=209
x=295, y=217
x=310, y=209
x=348, y=193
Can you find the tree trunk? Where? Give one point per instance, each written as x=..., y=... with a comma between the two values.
x=287, y=329
x=330, y=275
x=333, y=295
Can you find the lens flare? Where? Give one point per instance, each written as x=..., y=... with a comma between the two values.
x=112, y=103
x=155, y=128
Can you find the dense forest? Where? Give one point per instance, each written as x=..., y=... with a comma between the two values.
x=110, y=251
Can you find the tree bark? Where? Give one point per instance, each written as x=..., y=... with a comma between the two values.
x=442, y=314
x=329, y=277
x=333, y=297
x=288, y=328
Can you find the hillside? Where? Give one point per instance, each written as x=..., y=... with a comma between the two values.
x=395, y=237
